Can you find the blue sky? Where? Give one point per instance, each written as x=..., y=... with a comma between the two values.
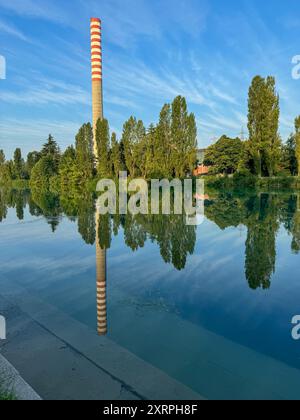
x=153, y=50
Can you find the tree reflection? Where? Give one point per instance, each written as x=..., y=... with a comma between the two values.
x=263, y=225
x=261, y=214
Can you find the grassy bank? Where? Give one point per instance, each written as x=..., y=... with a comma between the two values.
x=6, y=395
x=250, y=182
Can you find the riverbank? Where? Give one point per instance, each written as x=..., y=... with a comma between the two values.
x=250, y=182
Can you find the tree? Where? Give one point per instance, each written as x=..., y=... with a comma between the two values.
x=133, y=133
x=103, y=147
x=18, y=164
x=225, y=155
x=51, y=148
x=32, y=160
x=297, y=141
x=116, y=164
x=43, y=171
x=289, y=159
x=84, y=152
x=263, y=122
x=162, y=146
x=183, y=138
x=70, y=176
x=2, y=158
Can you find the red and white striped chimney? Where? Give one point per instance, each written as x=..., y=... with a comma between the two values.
x=96, y=61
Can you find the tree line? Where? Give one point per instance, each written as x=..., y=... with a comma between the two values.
x=165, y=150
x=263, y=154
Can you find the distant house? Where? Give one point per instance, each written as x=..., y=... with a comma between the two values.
x=201, y=168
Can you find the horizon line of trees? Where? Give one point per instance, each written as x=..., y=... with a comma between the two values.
x=165, y=150
x=264, y=154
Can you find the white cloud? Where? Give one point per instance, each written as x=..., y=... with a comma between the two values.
x=12, y=30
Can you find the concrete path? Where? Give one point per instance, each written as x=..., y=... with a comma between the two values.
x=12, y=382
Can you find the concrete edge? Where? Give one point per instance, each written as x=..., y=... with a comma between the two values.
x=11, y=381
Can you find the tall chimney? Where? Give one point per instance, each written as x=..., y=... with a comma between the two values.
x=96, y=60
x=97, y=99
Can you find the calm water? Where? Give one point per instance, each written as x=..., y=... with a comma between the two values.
x=211, y=306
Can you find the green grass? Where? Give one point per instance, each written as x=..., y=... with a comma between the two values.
x=7, y=396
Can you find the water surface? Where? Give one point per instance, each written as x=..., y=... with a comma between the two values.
x=210, y=305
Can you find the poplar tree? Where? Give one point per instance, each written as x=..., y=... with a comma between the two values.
x=133, y=133
x=297, y=139
x=116, y=164
x=263, y=122
x=103, y=147
x=84, y=151
x=18, y=164
x=184, y=138
x=163, y=142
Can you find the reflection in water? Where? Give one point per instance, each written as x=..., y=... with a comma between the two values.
x=101, y=280
x=261, y=214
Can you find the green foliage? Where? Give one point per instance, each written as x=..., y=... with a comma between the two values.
x=2, y=158
x=263, y=122
x=103, y=148
x=115, y=156
x=42, y=172
x=297, y=142
x=133, y=134
x=84, y=152
x=51, y=148
x=225, y=155
x=183, y=138
x=32, y=160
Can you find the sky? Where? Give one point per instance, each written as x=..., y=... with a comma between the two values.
x=153, y=50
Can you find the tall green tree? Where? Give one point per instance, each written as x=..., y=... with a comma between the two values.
x=184, y=138
x=103, y=147
x=288, y=156
x=163, y=142
x=84, y=151
x=115, y=157
x=297, y=141
x=18, y=164
x=263, y=122
x=133, y=133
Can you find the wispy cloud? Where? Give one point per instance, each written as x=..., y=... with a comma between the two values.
x=37, y=9
x=12, y=30
x=46, y=92
x=27, y=132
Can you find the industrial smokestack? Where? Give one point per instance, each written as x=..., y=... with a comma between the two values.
x=96, y=60
x=97, y=99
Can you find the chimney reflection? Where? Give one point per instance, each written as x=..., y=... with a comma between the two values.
x=101, y=283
